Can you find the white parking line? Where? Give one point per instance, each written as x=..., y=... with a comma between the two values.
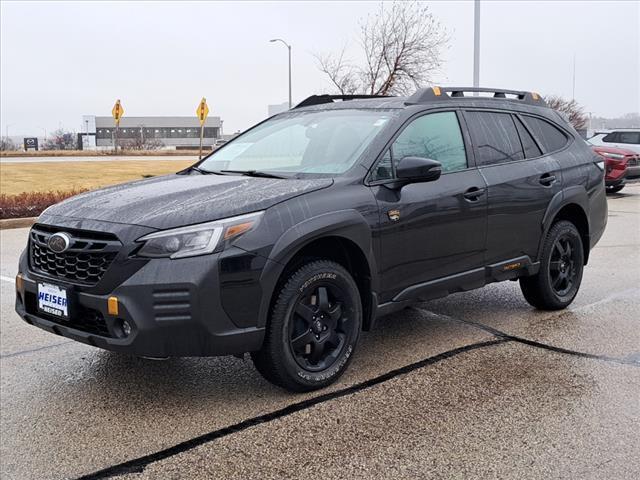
x=7, y=279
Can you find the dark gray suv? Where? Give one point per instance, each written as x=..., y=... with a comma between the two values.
x=291, y=239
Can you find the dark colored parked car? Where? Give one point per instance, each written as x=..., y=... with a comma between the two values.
x=620, y=165
x=294, y=237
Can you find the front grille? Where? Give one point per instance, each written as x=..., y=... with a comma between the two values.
x=85, y=261
x=633, y=161
x=82, y=318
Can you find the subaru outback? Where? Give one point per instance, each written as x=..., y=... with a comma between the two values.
x=294, y=237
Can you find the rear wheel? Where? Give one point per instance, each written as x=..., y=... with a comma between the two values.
x=313, y=328
x=561, y=265
x=615, y=189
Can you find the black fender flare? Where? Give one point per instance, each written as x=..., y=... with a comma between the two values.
x=348, y=224
x=576, y=195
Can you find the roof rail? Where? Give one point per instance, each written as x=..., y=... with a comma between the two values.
x=320, y=99
x=431, y=94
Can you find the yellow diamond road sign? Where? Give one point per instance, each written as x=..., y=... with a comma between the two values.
x=202, y=111
x=117, y=112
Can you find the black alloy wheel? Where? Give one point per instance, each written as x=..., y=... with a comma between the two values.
x=562, y=267
x=319, y=327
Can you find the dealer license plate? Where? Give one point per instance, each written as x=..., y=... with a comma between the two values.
x=52, y=299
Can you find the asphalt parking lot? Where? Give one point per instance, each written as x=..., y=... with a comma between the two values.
x=475, y=385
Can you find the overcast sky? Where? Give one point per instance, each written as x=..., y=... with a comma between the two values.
x=60, y=60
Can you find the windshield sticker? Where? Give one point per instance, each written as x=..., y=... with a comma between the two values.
x=233, y=150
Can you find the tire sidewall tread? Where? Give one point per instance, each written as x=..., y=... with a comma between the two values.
x=275, y=360
x=537, y=289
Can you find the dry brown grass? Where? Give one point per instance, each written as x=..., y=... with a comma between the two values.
x=16, y=178
x=98, y=153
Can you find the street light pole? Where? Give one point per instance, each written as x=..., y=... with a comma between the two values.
x=476, y=44
x=289, y=49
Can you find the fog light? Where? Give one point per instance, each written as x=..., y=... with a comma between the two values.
x=126, y=328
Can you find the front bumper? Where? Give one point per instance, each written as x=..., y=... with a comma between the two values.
x=633, y=172
x=174, y=308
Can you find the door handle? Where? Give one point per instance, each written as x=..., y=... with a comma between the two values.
x=472, y=194
x=547, y=179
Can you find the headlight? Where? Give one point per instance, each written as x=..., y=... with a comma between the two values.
x=196, y=239
x=616, y=156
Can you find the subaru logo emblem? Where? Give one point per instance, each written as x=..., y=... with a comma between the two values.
x=59, y=242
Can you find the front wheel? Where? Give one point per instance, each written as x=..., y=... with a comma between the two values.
x=313, y=328
x=561, y=264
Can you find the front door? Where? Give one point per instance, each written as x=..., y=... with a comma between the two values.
x=435, y=229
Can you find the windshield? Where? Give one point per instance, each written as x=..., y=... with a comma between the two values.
x=320, y=142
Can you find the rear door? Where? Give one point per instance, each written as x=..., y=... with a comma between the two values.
x=433, y=229
x=521, y=182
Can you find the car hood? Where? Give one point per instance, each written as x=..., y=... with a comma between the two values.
x=177, y=200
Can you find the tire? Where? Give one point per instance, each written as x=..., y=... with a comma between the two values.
x=561, y=265
x=313, y=328
x=615, y=189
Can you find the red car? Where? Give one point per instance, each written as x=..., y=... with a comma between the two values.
x=620, y=165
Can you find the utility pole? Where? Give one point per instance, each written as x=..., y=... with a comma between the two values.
x=6, y=130
x=476, y=44
x=573, y=91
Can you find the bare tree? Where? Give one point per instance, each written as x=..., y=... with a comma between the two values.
x=401, y=47
x=140, y=144
x=61, y=140
x=7, y=145
x=572, y=110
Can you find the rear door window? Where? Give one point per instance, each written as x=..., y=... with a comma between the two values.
x=531, y=149
x=629, y=137
x=550, y=137
x=494, y=137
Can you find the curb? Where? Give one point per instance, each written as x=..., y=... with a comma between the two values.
x=17, y=222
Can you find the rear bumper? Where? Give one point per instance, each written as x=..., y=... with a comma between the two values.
x=174, y=309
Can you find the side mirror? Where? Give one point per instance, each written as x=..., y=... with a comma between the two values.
x=418, y=169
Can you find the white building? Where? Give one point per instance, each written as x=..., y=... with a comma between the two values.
x=169, y=132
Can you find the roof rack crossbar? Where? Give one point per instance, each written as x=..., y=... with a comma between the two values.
x=430, y=94
x=320, y=99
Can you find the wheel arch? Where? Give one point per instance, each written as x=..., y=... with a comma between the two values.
x=571, y=205
x=343, y=237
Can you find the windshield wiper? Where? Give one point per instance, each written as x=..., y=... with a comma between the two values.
x=254, y=173
x=204, y=172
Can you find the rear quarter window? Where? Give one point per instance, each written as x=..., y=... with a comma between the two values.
x=550, y=137
x=629, y=137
